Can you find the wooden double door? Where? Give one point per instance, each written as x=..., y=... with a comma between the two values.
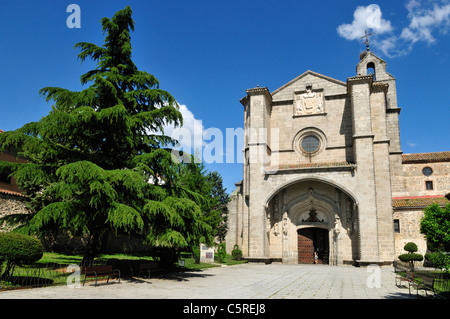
x=312, y=240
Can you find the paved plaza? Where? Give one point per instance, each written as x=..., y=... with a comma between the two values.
x=246, y=281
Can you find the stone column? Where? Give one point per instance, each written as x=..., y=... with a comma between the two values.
x=359, y=88
x=257, y=134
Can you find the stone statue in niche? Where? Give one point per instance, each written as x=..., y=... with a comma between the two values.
x=337, y=225
x=276, y=218
x=350, y=216
x=285, y=224
x=299, y=106
x=309, y=102
x=269, y=222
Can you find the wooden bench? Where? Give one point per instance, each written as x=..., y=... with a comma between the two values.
x=148, y=268
x=100, y=271
x=426, y=283
x=409, y=277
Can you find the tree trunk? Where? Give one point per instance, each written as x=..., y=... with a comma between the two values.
x=8, y=272
x=91, y=250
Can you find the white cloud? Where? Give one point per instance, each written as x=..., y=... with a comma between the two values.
x=365, y=18
x=426, y=18
x=190, y=134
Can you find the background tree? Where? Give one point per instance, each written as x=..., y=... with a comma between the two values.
x=214, y=199
x=435, y=225
x=91, y=158
x=220, y=199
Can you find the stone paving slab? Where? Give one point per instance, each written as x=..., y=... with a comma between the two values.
x=246, y=281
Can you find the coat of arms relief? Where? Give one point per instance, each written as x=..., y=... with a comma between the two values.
x=309, y=102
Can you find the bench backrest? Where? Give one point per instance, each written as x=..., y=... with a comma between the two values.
x=98, y=269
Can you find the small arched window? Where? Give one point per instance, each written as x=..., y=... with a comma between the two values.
x=371, y=69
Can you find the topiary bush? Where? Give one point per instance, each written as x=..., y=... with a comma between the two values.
x=410, y=247
x=17, y=250
x=411, y=256
x=222, y=252
x=236, y=253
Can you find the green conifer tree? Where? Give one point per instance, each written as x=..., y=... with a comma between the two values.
x=91, y=158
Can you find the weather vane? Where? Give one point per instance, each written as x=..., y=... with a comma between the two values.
x=366, y=40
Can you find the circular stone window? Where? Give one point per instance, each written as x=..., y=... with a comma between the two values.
x=427, y=171
x=310, y=144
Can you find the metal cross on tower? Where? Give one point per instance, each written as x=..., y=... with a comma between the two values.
x=366, y=40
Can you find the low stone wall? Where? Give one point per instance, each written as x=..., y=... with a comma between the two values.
x=10, y=204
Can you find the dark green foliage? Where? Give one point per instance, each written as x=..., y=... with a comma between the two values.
x=208, y=187
x=222, y=252
x=439, y=260
x=236, y=253
x=91, y=158
x=410, y=257
x=220, y=199
x=435, y=225
x=17, y=250
x=196, y=254
x=410, y=247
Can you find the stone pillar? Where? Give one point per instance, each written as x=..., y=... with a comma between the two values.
x=382, y=172
x=257, y=133
x=359, y=88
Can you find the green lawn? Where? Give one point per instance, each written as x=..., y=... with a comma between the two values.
x=52, y=268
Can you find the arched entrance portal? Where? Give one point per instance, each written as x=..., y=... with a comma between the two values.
x=330, y=215
x=312, y=240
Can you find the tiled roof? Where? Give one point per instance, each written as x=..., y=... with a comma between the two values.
x=8, y=192
x=425, y=157
x=419, y=201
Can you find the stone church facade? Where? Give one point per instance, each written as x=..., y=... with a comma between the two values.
x=324, y=173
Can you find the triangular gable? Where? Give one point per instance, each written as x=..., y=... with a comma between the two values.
x=309, y=72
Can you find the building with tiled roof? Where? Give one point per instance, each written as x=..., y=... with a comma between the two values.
x=323, y=171
x=418, y=201
x=12, y=199
x=426, y=157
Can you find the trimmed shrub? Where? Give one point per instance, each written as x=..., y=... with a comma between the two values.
x=236, y=253
x=19, y=249
x=222, y=252
x=410, y=247
x=410, y=257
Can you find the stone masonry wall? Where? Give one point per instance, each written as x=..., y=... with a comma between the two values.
x=409, y=231
x=10, y=204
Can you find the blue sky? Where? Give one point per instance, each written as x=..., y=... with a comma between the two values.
x=207, y=53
